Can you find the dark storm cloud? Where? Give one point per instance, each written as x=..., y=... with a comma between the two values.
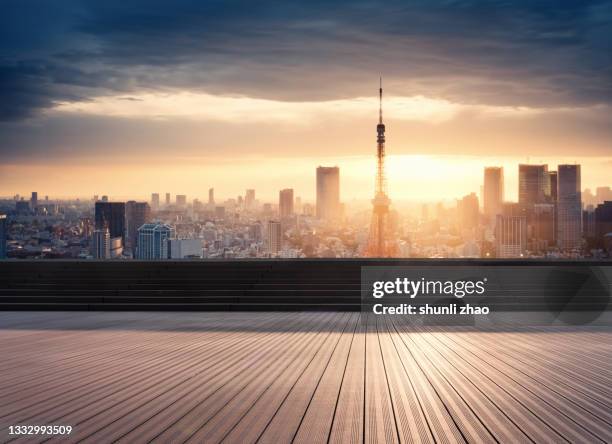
x=494, y=52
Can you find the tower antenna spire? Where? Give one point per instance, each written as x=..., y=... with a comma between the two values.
x=380, y=102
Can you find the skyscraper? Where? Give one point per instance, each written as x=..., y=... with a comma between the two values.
x=534, y=185
x=153, y=241
x=155, y=201
x=181, y=200
x=249, y=200
x=34, y=201
x=510, y=232
x=3, y=235
x=136, y=215
x=328, y=193
x=569, y=207
x=603, y=194
x=101, y=244
x=111, y=215
x=167, y=199
x=493, y=192
x=285, y=202
x=211, y=196
x=469, y=213
x=274, y=237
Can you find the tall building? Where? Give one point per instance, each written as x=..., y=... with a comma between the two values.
x=155, y=201
x=249, y=199
x=274, y=237
x=22, y=207
x=569, y=207
x=101, y=244
x=603, y=220
x=380, y=244
x=211, y=196
x=136, y=215
x=493, y=192
x=285, y=202
x=328, y=193
x=552, y=180
x=603, y=194
x=534, y=185
x=468, y=212
x=167, y=199
x=153, y=241
x=544, y=227
x=34, y=201
x=3, y=235
x=181, y=200
x=510, y=232
x=111, y=215
x=185, y=248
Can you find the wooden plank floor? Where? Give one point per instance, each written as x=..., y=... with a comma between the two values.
x=300, y=377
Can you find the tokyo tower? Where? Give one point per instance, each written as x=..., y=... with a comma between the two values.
x=379, y=243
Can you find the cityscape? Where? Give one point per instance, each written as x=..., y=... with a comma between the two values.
x=552, y=219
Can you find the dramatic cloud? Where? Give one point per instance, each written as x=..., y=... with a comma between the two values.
x=518, y=53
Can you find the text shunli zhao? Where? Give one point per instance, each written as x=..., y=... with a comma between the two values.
x=413, y=288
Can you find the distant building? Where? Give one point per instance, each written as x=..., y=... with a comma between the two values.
x=603, y=220
x=493, y=192
x=603, y=194
x=111, y=215
x=181, y=200
x=255, y=232
x=153, y=241
x=155, y=201
x=104, y=198
x=219, y=212
x=136, y=215
x=510, y=235
x=249, y=200
x=274, y=237
x=34, y=201
x=534, y=185
x=544, y=233
x=553, y=184
x=101, y=245
x=116, y=247
x=185, y=248
x=328, y=193
x=569, y=207
x=211, y=196
x=285, y=203
x=167, y=199
x=468, y=211
x=3, y=235
x=22, y=207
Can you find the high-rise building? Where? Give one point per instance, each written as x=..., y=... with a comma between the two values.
x=167, y=199
x=544, y=234
x=34, y=201
x=155, y=201
x=136, y=215
x=185, y=248
x=328, y=193
x=255, y=232
x=211, y=196
x=603, y=194
x=569, y=207
x=111, y=215
x=493, y=192
x=22, y=207
x=181, y=200
x=274, y=237
x=552, y=181
x=219, y=212
x=534, y=185
x=3, y=235
x=510, y=232
x=603, y=221
x=101, y=244
x=469, y=213
x=285, y=203
x=249, y=200
x=153, y=241
x=105, y=198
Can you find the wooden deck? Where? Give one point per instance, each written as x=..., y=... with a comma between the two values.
x=300, y=377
